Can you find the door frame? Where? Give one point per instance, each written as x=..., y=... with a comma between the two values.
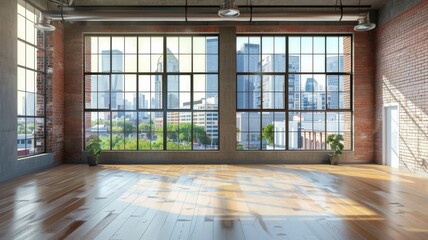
x=384, y=109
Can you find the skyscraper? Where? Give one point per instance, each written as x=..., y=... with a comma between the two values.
x=248, y=60
x=211, y=67
x=117, y=98
x=294, y=82
x=334, y=64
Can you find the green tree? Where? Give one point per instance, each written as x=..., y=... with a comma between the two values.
x=171, y=146
x=131, y=143
x=158, y=144
x=268, y=133
x=117, y=142
x=239, y=146
x=123, y=125
x=201, y=135
x=21, y=128
x=185, y=132
x=105, y=142
x=144, y=144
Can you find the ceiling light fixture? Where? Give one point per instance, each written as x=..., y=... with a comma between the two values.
x=44, y=24
x=364, y=24
x=229, y=10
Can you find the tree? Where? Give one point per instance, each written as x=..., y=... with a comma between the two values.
x=201, y=135
x=268, y=133
x=123, y=125
x=147, y=129
x=105, y=142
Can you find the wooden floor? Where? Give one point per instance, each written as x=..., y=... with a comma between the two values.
x=215, y=202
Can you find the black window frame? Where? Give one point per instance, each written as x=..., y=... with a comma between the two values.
x=164, y=74
x=286, y=75
x=44, y=79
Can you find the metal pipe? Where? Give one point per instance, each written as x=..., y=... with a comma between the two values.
x=198, y=14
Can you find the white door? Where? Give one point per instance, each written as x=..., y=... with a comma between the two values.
x=392, y=130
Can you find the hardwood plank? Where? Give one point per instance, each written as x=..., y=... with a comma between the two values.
x=215, y=202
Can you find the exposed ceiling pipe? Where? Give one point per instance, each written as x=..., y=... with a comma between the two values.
x=198, y=14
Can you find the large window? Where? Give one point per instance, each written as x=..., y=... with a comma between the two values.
x=30, y=83
x=152, y=92
x=293, y=91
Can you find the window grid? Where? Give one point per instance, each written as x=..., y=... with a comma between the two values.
x=159, y=108
x=31, y=77
x=342, y=110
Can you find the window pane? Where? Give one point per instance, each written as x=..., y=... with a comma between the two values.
x=199, y=45
x=30, y=81
x=306, y=63
x=104, y=45
x=178, y=91
x=21, y=27
x=105, y=63
x=332, y=44
x=294, y=45
x=118, y=45
x=21, y=78
x=306, y=45
x=319, y=45
x=185, y=62
x=131, y=45
x=157, y=45
x=319, y=63
x=199, y=63
x=21, y=53
x=333, y=63
x=130, y=63
x=267, y=45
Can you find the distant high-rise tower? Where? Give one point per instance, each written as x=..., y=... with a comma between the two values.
x=309, y=100
x=173, y=86
x=117, y=101
x=294, y=82
x=212, y=66
x=272, y=84
x=334, y=64
x=248, y=60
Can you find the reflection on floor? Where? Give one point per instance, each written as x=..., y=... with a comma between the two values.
x=215, y=202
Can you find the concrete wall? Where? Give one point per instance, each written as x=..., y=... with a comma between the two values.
x=10, y=166
x=364, y=95
x=402, y=78
x=394, y=8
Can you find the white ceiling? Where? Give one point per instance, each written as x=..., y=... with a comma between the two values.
x=376, y=4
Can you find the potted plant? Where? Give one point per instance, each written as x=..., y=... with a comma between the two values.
x=268, y=134
x=335, y=141
x=94, y=150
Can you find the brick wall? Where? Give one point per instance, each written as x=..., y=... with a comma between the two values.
x=55, y=92
x=364, y=93
x=402, y=77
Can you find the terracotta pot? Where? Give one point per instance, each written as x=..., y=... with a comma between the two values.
x=334, y=159
x=92, y=161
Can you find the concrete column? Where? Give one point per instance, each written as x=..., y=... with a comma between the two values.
x=10, y=166
x=8, y=89
x=227, y=91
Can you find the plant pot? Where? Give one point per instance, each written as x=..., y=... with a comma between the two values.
x=334, y=159
x=92, y=161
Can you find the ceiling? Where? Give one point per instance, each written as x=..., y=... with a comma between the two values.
x=376, y=4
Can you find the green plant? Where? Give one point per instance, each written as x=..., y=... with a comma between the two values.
x=94, y=146
x=336, y=143
x=268, y=133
